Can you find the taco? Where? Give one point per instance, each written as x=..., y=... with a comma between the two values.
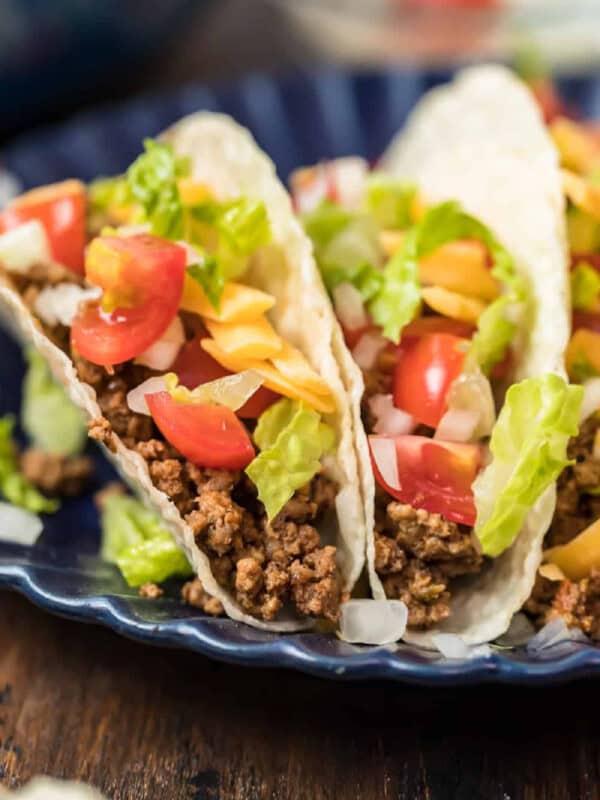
x=568, y=582
x=180, y=307
x=446, y=270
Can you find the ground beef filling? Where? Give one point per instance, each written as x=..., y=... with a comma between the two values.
x=266, y=565
x=416, y=553
x=577, y=602
x=53, y=474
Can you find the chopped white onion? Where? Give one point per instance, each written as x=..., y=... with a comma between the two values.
x=60, y=303
x=309, y=187
x=390, y=420
x=231, y=391
x=386, y=461
x=457, y=425
x=554, y=632
x=51, y=789
x=453, y=646
x=349, y=307
x=368, y=348
x=348, y=178
x=25, y=246
x=373, y=621
x=472, y=391
x=192, y=255
x=591, y=399
x=164, y=351
x=19, y=525
x=136, y=398
x=133, y=230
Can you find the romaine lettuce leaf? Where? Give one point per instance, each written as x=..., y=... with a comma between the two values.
x=390, y=201
x=152, y=182
x=399, y=297
x=104, y=193
x=14, y=486
x=49, y=419
x=208, y=273
x=529, y=449
x=585, y=286
x=292, y=439
x=135, y=540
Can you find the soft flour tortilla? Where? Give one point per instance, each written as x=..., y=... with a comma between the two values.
x=481, y=140
x=226, y=157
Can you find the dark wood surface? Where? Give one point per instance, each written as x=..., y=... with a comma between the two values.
x=80, y=702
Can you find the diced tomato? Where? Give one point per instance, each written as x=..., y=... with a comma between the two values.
x=144, y=268
x=548, y=99
x=209, y=436
x=504, y=367
x=593, y=259
x=586, y=319
x=352, y=335
x=262, y=399
x=194, y=366
x=425, y=369
x=60, y=208
x=436, y=476
x=437, y=324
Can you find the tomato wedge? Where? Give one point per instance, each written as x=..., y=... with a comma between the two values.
x=434, y=475
x=437, y=324
x=425, y=369
x=60, y=208
x=146, y=270
x=194, y=366
x=593, y=259
x=586, y=319
x=209, y=436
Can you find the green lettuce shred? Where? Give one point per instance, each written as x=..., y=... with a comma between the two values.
x=49, y=419
x=399, y=297
x=106, y=192
x=152, y=182
x=14, y=486
x=346, y=248
x=292, y=439
x=390, y=201
x=529, y=449
x=585, y=286
x=135, y=539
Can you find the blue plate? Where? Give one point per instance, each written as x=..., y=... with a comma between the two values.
x=298, y=120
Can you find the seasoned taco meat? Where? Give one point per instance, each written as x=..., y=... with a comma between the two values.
x=264, y=564
x=576, y=508
x=416, y=555
x=194, y=594
x=577, y=602
x=54, y=474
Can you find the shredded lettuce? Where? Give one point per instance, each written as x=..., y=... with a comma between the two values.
x=399, y=297
x=346, y=248
x=135, y=540
x=104, y=193
x=49, y=419
x=14, y=486
x=390, y=201
x=152, y=181
x=209, y=275
x=581, y=370
x=529, y=449
x=585, y=286
x=292, y=439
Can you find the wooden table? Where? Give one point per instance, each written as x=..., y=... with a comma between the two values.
x=78, y=701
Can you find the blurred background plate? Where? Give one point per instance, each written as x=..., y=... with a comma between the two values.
x=297, y=120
